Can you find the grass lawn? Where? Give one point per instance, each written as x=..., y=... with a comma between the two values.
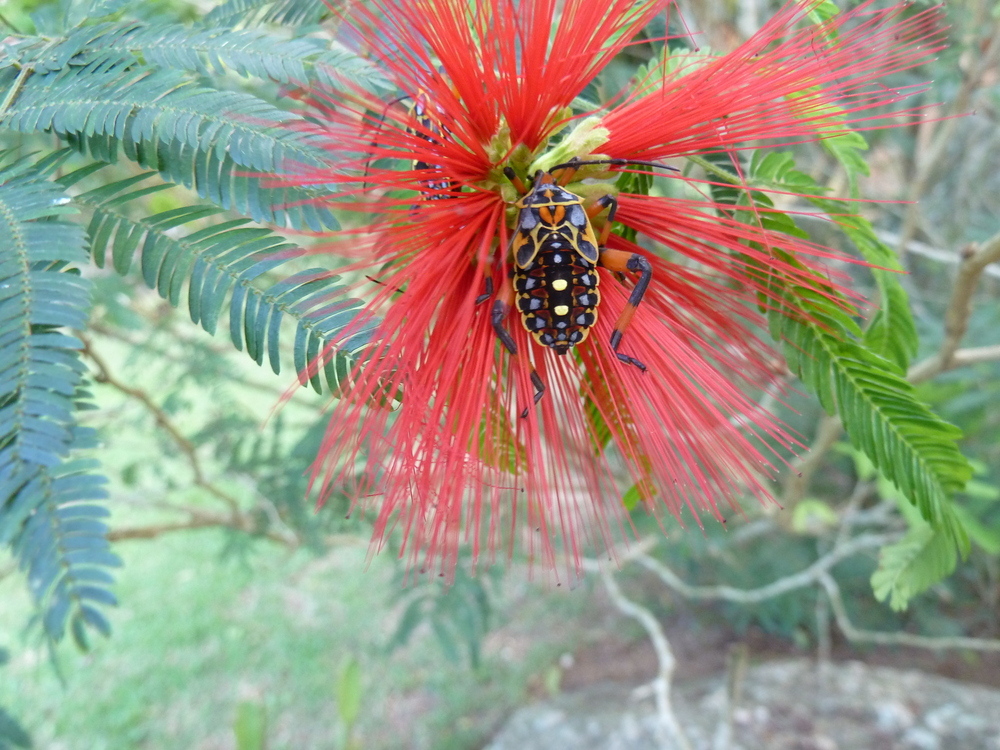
x=198, y=633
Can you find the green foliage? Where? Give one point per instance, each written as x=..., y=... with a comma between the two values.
x=12, y=734
x=109, y=95
x=850, y=372
x=250, y=726
x=196, y=135
x=127, y=88
x=146, y=92
x=220, y=262
x=349, y=693
x=913, y=564
x=892, y=332
x=47, y=513
x=286, y=12
x=881, y=413
x=458, y=614
x=247, y=52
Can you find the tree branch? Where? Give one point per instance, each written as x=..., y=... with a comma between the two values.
x=303, y=396
x=186, y=447
x=664, y=654
x=945, y=134
x=805, y=465
x=236, y=518
x=975, y=259
x=856, y=635
x=807, y=577
x=200, y=520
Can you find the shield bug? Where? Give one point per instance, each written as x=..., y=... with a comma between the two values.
x=555, y=253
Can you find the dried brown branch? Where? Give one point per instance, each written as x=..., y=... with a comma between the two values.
x=236, y=518
x=104, y=375
x=928, y=165
x=306, y=397
x=198, y=519
x=975, y=259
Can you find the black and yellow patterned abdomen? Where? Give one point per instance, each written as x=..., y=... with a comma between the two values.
x=557, y=296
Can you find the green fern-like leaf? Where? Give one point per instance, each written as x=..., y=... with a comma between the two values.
x=247, y=52
x=907, y=442
x=910, y=566
x=892, y=331
x=825, y=347
x=47, y=513
x=224, y=266
x=39, y=368
x=210, y=140
x=107, y=97
x=252, y=12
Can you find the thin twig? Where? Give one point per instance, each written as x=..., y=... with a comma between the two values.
x=975, y=259
x=802, y=579
x=304, y=396
x=857, y=635
x=156, y=530
x=104, y=375
x=948, y=257
x=927, y=167
x=664, y=654
x=803, y=467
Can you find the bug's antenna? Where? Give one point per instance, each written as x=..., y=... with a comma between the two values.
x=516, y=181
x=577, y=163
x=381, y=122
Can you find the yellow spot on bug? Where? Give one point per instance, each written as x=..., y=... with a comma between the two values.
x=559, y=285
x=561, y=309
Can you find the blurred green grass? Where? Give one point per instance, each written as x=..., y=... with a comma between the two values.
x=197, y=634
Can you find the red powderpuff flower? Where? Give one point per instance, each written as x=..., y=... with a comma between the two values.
x=488, y=85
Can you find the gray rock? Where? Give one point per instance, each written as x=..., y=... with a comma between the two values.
x=786, y=705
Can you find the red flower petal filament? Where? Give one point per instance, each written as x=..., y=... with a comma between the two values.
x=456, y=464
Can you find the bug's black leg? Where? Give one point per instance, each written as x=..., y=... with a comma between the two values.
x=536, y=381
x=488, y=293
x=500, y=309
x=619, y=260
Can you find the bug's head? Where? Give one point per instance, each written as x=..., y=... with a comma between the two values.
x=543, y=178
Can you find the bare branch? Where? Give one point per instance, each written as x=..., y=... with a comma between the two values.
x=928, y=165
x=856, y=635
x=975, y=259
x=236, y=518
x=303, y=396
x=200, y=520
x=807, y=577
x=104, y=375
x=947, y=257
x=664, y=654
x=804, y=466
